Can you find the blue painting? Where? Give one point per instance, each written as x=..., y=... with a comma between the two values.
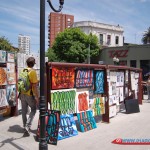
x=99, y=82
x=67, y=127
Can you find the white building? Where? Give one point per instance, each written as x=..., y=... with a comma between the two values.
x=24, y=43
x=108, y=35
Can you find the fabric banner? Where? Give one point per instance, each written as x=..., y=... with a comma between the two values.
x=62, y=78
x=84, y=78
x=99, y=82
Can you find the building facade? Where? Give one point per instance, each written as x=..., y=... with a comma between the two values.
x=58, y=22
x=24, y=43
x=137, y=56
x=108, y=35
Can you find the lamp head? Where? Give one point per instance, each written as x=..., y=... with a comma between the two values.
x=61, y=2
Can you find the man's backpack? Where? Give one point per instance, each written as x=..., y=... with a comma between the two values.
x=24, y=84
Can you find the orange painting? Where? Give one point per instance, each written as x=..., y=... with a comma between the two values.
x=63, y=78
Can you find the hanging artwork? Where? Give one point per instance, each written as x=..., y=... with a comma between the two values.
x=3, y=76
x=121, y=94
x=52, y=120
x=10, y=57
x=62, y=78
x=3, y=99
x=63, y=100
x=2, y=56
x=67, y=127
x=84, y=78
x=20, y=60
x=86, y=121
x=112, y=111
x=99, y=82
x=11, y=95
x=82, y=98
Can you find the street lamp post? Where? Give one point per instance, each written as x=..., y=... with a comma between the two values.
x=42, y=142
x=116, y=60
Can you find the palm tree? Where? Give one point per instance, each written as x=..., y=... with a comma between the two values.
x=146, y=37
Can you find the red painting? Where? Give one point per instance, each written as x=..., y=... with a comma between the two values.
x=63, y=78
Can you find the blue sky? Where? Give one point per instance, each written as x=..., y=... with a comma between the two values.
x=23, y=17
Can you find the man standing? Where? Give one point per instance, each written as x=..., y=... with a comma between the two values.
x=30, y=98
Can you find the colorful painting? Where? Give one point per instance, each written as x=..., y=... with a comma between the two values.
x=86, y=121
x=84, y=78
x=3, y=76
x=11, y=78
x=64, y=100
x=67, y=127
x=99, y=82
x=3, y=99
x=11, y=95
x=62, y=78
x=2, y=56
x=10, y=57
x=52, y=120
x=82, y=98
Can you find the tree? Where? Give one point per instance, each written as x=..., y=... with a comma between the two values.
x=6, y=45
x=146, y=37
x=72, y=45
x=51, y=55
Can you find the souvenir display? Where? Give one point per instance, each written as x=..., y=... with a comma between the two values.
x=52, y=120
x=84, y=78
x=86, y=121
x=3, y=76
x=67, y=127
x=63, y=100
x=11, y=78
x=62, y=78
x=99, y=82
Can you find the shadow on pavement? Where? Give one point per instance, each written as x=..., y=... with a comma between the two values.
x=16, y=128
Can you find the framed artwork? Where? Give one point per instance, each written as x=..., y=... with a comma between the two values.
x=11, y=78
x=84, y=78
x=20, y=60
x=62, y=78
x=2, y=56
x=10, y=67
x=3, y=76
x=11, y=95
x=3, y=98
x=10, y=57
x=112, y=111
x=99, y=82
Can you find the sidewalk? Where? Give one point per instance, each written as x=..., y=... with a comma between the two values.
x=123, y=125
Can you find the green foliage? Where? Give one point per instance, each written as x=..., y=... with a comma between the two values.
x=72, y=45
x=146, y=37
x=6, y=45
x=51, y=55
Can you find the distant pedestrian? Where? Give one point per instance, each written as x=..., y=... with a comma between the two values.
x=29, y=98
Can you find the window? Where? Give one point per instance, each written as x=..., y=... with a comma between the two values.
x=133, y=63
x=117, y=40
x=108, y=39
x=101, y=39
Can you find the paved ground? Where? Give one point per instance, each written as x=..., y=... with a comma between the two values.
x=123, y=125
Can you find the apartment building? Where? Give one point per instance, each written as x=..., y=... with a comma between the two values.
x=58, y=22
x=108, y=35
x=24, y=43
